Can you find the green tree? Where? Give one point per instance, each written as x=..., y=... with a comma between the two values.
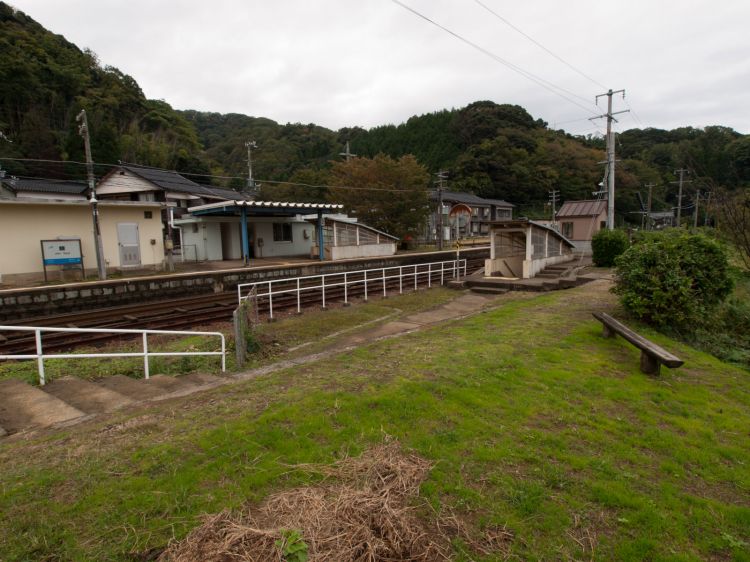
x=386, y=193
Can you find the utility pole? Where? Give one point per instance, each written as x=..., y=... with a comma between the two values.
x=346, y=154
x=83, y=130
x=442, y=175
x=250, y=145
x=610, y=153
x=682, y=172
x=695, y=213
x=554, y=197
x=705, y=213
x=650, y=187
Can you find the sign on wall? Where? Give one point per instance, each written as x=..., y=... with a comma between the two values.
x=62, y=252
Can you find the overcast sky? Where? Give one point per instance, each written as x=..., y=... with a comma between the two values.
x=342, y=63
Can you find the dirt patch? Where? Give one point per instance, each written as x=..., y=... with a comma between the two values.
x=365, y=509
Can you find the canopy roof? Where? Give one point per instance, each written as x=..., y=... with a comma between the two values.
x=267, y=208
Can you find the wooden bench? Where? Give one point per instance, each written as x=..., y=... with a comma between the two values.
x=652, y=356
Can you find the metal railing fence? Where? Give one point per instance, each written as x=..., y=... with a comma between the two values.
x=327, y=281
x=40, y=356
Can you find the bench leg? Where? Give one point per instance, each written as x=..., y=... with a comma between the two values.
x=608, y=332
x=649, y=364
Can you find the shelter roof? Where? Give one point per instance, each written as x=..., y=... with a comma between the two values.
x=583, y=208
x=276, y=208
x=523, y=224
x=469, y=199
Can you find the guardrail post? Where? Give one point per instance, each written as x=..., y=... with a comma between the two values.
x=223, y=354
x=384, y=282
x=346, y=290
x=145, y=355
x=400, y=279
x=429, y=275
x=365, y=284
x=299, y=307
x=323, y=286
x=270, y=301
x=39, y=356
x=442, y=272
x=415, y=276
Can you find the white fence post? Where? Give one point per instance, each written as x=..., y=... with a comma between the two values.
x=299, y=302
x=145, y=355
x=39, y=356
x=365, y=284
x=384, y=282
x=429, y=275
x=346, y=290
x=270, y=301
x=400, y=279
x=323, y=285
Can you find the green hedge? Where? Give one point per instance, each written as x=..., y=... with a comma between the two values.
x=673, y=278
x=607, y=245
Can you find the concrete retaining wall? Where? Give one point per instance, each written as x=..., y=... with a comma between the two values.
x=19, y=304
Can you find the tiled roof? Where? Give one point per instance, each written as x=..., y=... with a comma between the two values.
x=585, y=208
x=469, y=199
x=46, y=186
x=172, y=181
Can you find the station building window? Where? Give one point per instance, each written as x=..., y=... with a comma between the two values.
x=282, y=232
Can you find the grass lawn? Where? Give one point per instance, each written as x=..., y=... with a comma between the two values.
x=535, y=423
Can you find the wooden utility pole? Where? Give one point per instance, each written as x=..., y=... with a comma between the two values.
x=250, y=145
x=682, y=172
x=610, y=154
x=554, y=197
x=347, y=154
x=650, y=187
x=442, y=175
x=83, y=130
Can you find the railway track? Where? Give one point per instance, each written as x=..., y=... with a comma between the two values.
x=190, y=312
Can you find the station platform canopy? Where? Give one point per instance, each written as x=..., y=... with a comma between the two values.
x=262, y=208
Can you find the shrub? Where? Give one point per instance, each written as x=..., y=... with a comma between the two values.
x=607, y=245
x=673, y=278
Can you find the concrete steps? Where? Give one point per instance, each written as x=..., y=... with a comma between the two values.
x=23, y=406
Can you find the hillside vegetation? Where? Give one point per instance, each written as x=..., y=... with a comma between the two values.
x=494, y=150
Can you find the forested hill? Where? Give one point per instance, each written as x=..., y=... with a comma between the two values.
x=494, y=150
x=45, y=81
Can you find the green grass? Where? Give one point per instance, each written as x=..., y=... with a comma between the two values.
x=288, y=331
x=534, y=421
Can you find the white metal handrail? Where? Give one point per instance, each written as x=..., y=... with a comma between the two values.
x=40, y=356
x=454, y=267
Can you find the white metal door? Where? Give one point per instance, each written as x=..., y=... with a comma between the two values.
x=129, y=243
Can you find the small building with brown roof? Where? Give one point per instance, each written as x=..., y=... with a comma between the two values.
x=580, y=220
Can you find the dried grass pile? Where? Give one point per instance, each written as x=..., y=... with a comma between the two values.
x=362, y=511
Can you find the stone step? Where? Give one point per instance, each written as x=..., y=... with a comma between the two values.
x=548, y=275
x=202, y=379
x=137, y=389
x=485, y=290
x=23, y=406
x=87, y=396
x=169, y=384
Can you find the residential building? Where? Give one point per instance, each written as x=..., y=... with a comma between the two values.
x=579, y=220
x=466, y=215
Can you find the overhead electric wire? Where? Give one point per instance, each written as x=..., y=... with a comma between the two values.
x=538, y=44
x=277, y=183
x=546, y=84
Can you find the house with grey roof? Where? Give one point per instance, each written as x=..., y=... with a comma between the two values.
x=465, y=215
x=23, y=188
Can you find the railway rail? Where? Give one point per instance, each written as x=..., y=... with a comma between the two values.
x=181, y=313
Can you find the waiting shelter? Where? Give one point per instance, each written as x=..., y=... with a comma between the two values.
x=522, y=248
x=252, y=219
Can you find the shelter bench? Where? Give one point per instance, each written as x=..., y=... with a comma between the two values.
x=652, y=356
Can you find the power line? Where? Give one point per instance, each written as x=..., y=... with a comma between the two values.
x=547, y=85
x=538, y=44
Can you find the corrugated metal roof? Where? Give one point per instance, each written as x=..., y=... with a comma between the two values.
x=172, y=181
x=584, y=208
x=267, y=205
x=469, y=199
